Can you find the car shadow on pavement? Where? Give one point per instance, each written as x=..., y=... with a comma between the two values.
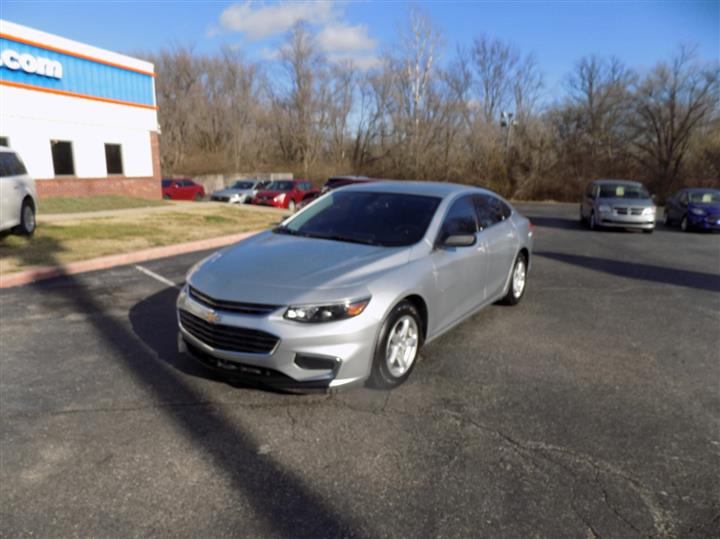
x=646, y=272
x=280, y=499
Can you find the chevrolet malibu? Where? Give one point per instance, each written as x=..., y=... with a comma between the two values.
x=348, y=289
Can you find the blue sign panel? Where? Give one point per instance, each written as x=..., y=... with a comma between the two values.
x=30, y=65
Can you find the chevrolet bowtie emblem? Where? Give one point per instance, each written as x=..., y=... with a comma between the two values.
x=212, y=317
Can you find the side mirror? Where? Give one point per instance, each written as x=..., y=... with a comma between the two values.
x=459, y=240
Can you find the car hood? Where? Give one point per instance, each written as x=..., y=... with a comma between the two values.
x=637, y=202
x=711, y=207
x=231, y=192
x=279, y=269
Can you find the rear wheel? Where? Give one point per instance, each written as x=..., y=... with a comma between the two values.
x=291, y=205
x=166, y=197
x=198, y=197
x=518, y=281
x=397, y=347
x=27, y=218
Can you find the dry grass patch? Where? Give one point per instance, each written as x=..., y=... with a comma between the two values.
x=96, y=203
x=70, y=241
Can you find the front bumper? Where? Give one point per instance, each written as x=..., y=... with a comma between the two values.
x=704, y=222
x=642, y=222
x=346, y=347
x=268, y=202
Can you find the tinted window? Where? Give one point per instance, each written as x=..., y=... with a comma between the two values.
x=10, y=165
x=281, y=185
x=704, y=197
x=243, y=185
x=627, y=190
x=113, y=159
x=386, y=219
x=187, y=183
x=460, y=219
x=62, y=155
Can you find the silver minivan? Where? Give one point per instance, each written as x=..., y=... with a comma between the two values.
x=18, y=197
x=618, y=204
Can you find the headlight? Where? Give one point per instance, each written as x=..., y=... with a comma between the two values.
x=235, y=197
x=326, y=313
x=280, y=198
x=604, y=208
x=698, y=211
x=649, y=210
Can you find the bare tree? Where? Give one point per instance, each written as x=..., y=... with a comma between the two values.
x=672, y=103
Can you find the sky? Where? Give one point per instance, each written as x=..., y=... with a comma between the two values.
x=557, y=33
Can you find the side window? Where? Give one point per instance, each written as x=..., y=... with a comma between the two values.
x=490, y=210
x=4, y=171
x=460, y=219
x=10, y=165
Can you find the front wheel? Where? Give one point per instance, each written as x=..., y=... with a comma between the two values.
x=592, y=223
x=518, y=281
x=397, y=347
x=198, y=197
x=27, y=219
x=684, y=226
x=291, y=206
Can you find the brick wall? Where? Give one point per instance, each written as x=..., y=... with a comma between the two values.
x=86, y=187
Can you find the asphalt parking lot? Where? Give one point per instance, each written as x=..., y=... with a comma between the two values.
x=590, y=410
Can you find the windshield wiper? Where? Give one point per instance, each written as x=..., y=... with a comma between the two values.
x=339, y=237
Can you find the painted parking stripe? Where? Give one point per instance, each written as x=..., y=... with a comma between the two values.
x=157, y=277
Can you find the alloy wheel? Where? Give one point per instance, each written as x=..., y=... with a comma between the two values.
x=402, y=346
x=519, y=274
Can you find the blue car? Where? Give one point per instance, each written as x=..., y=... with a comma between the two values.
x=694, y=209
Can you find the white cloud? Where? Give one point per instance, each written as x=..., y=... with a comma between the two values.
x=344, y=37
x=263, y=21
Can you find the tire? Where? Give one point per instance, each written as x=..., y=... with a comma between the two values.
x=27, y=218
x=166, y=197
x=198, y=197
x=684, y=225
x=388, y=370
x=648, y=230
x=518, y=282
x=291, y=206
x=592, y=224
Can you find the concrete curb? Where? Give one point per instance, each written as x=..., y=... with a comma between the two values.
x=47, y=272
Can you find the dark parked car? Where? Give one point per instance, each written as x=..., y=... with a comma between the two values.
x=284, y=194
x=342, y=181
x=697, y=209
x=182, y=189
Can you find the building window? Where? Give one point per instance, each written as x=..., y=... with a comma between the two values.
x=113, y=159
x=4, y=141
x=62, y=155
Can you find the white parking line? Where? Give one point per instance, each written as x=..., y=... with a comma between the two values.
x=157, y=277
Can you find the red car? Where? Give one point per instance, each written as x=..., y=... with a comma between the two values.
x=182, y=189
x=284, y=194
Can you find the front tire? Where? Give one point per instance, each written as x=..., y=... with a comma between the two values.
x=518, y=282
x=397, y=347
x=291, y=206
x=27, y=219
x=684, y=226
x=198, y=197
x=592, y=224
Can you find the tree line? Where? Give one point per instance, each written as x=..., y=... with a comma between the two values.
x=482, y=117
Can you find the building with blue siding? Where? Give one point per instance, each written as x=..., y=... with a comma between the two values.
x=83, y=119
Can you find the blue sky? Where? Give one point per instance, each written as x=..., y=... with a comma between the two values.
x=557, y=33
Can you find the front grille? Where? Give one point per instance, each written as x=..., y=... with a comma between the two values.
x=232, y=339
x=238, y=307
x=622, y=210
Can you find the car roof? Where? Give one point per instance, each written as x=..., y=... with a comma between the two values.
x=616, y=182
x=437, y=189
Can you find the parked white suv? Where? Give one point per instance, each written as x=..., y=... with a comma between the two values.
x=18, y=197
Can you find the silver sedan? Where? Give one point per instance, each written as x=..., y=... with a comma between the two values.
x=350, y=288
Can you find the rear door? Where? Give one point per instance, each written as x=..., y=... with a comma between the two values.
x=501, y=238
x=459, y=271
x=11, y=172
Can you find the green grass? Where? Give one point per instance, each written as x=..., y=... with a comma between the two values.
x=81, y=239
x=97, y=203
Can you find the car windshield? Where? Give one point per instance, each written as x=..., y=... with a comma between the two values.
x=704, y=197
x=243, y=185
x=166, y=183
x=280, y=186
x=620, y=190
x=385, y=219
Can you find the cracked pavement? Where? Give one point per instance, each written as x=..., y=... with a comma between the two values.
x=590, y=410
